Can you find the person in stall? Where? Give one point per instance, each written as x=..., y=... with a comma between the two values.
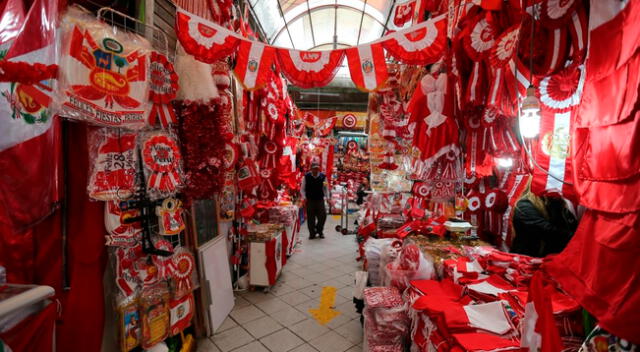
x=543, y=225
x=314, y=192
x=362, y=190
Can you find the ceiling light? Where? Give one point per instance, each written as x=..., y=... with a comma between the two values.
x=529, y=119
x=504, y=163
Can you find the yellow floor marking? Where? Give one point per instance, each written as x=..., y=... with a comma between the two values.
x=325, y=312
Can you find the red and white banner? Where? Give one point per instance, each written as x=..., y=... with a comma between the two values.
x=309, y=69
x=539, y=329
x=403, y=13
x=367, y=66
x=556, y=13
x=505, y=46
x=205, y=40
x=480, y=37
x=253, y=64
x=422, y=44
x=559, y=96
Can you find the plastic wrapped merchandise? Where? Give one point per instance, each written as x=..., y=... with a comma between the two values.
x=386, y=324
x=113, y=160
x=373, y=249
x=410, y=264
x=388, y=254
x=103, y=73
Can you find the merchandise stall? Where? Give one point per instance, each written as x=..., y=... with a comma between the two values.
x=152, y=161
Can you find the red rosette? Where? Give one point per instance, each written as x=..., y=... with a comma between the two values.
x=480, y=38
x=203, y=39
x=562, y=91
x=231, y=155
x=475, y=203
x=496, y=200
x=349, y=121
x=352, y=146
x=164, y=79
x=309, y=69
x=421, y=189
x=421, y=44
x=505, y=46
x=161, y=154
x=557, y=13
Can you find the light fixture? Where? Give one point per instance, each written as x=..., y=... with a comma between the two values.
x=504, y=163
x=529, y=120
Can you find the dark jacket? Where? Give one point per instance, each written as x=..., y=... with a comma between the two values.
x=314, y=186
x=537, y=236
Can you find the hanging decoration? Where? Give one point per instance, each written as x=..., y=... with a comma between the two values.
x=161, y=159
x=367, y=66
x=422, y=44
x=557, y=13
x=163, y=87
x=309, y=69
x=122, y=233
x=480, y=37
x=253, y=64
x=103, y=74
x=403, y=13
x=185, y=265
x=349, y=121
x=504, y=48
x=115, y=159
x=205, y=40
x=181, y=312
x=170, y=217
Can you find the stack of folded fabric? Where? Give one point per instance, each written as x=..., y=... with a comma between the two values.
x=386, y=324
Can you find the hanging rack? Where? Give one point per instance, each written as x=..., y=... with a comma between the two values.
x=156, y=35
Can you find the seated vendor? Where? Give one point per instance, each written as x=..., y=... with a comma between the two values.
x=543, y=225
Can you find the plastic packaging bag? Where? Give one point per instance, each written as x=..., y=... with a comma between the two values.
x=114, y=160
x=103, y=73
x=411, y=264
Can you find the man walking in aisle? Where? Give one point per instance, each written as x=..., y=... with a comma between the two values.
x=314, y=190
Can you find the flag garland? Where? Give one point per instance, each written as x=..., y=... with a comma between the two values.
x=208, y=42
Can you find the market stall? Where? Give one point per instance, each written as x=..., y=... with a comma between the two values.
x=156, y=166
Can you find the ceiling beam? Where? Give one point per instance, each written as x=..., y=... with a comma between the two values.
x=286, y=25
x=361, y=20
x=386, y=29
x=313, y=36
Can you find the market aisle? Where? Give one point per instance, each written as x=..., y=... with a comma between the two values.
x=280, y=321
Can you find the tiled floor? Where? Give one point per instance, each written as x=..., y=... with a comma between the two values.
x=279, y=321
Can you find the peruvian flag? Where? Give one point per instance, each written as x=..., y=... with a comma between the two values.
x=368, y=225
x=253, y=64
x=559, y=95
x=422, y=44
x=205, y=40
x=403, y=13
x=309, y=69
x=29, y=141
x=539, y=330
x=367, y=66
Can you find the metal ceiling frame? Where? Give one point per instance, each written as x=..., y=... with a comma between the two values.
x=324, y=7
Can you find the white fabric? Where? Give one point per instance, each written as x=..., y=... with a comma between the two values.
x=489, y=316
x=194, y=77
x=486, y=288
x=316, y=60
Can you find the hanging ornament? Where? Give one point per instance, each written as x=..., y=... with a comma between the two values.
x=562, y=91
x=349, y=121
x=389, y=160
x=231, y=156
x=170, y=217
x=253, y=65
x=204, y=39
x=496, y=200
x=557, y=13
x=248, y=176
x=480, y=39
x=422, y=44
x=164, y=265
x=185, y=266
x=421, y=189
x=114, y=167
x=367, y=66
x=126, y=272
x=505, y=47
x=122, y=233
x=269, y=158
x=161, y=158
x=163, y=87
x=309, y=69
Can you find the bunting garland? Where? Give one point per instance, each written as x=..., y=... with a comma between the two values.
x=422, y=44
x=309, y=69
x=203, y=39
x=253, y=64
x=367, y=66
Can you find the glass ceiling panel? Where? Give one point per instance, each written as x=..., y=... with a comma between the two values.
x=301, y=34
x=288, y=4
x=371, y=30
x=348, y=25
x=283, y=40
x=269, y=16
x=323, y=24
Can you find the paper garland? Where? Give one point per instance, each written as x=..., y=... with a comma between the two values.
x=203, y=39
x=422, y=44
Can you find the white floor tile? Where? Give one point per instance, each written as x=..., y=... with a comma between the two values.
x=304, y=348
x=255, y=346
x=288, y=316
x=257, y=296
x=331, y=342
x=339, y=321
x=232, y=338
x=205, y=345
x=246, y=314
x=273, y=305
x=309, y=329
x=262, y=327
x=295, y=298
x=281, y=341
x=351, y=331
x=227, y=324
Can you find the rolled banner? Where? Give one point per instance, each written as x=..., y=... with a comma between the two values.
x=422, y=44
x=309, y=69
x=163, y=88
x=367, y=66
x=203, y=39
